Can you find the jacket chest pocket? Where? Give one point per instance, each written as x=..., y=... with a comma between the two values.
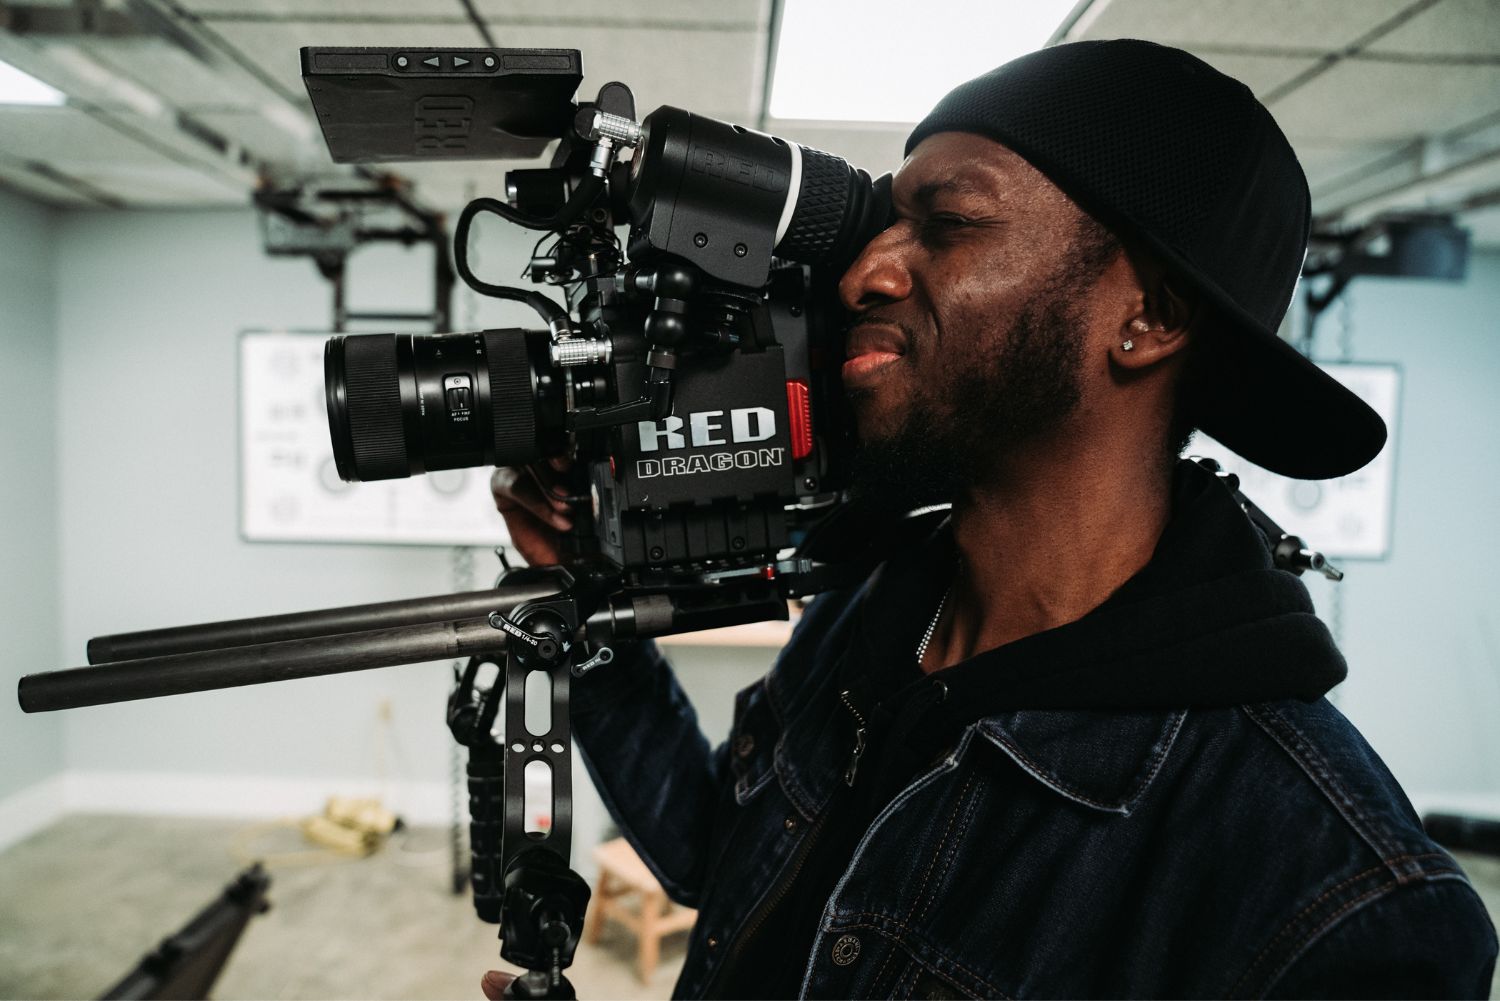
x=752, y=742
x=864, y=962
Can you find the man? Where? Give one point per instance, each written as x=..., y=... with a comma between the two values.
x=1070, y=742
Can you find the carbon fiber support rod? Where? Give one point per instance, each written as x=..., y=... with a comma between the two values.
x=232, y=667
x=303, y=625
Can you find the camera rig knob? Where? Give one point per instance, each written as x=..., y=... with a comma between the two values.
x=542, y=642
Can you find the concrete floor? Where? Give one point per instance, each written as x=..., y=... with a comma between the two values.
x=83, y=900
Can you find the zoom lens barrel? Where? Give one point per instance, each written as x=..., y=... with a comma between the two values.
x=400, y=404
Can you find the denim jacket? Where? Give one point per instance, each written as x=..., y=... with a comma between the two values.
x=1122, y=846
x=1261, y=850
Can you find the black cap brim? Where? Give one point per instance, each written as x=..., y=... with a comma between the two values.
x=1263, y=399
x=1269, y=404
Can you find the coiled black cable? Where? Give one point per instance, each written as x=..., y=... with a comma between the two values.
x=583, y=196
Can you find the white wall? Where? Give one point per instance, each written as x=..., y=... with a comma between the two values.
x=1421, y=630
x=31, y=747
x=149, y=307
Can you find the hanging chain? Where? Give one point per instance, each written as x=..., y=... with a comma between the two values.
x=471, y=298
x=460, y=578
x=1346, y=329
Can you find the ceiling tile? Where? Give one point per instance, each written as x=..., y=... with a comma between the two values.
x=85, y=146
x=30, y=57
x=39, y=189
x=1367, y=102
x=176, y=76
x=1262, y=74
x=162, y=185
x=1445, y=192
x=1453, y=27
x=275, y=46
x=739, y=14
x=1327, y=163
x=711, y=72
x=268, y=142
x=215, y=10
x=1292, y=24
x=67, y=136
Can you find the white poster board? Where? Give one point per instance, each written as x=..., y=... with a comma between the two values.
x=290, y=490
x=1345, y=518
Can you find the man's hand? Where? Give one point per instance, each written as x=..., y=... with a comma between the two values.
x=531, y=500
x=494, y=984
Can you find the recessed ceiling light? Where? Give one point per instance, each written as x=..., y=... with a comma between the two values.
x=891, y=60
x=23, y=88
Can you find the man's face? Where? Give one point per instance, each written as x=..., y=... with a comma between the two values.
x=967, y=339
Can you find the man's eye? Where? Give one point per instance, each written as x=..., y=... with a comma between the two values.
x=940, y=226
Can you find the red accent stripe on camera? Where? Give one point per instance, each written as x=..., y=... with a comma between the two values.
x=799, y=416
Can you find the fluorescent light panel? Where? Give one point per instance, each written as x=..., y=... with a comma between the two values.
x=23, y=88
x=891, y=60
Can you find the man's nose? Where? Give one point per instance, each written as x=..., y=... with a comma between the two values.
x=878, y=275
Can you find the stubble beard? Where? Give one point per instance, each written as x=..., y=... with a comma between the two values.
x=957, y=430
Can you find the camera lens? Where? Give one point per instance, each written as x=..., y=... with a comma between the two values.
x=400, y=404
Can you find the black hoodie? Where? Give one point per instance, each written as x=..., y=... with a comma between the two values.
x=1207, y=623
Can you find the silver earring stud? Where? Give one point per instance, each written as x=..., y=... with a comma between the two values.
x=1128, y=346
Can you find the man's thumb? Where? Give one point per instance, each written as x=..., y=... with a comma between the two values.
x=494, y=984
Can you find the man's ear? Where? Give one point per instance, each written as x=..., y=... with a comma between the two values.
x=1160, y=328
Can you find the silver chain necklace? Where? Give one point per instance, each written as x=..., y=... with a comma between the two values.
x=932, y=627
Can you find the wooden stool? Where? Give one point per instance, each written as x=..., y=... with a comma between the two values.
x=621, y=873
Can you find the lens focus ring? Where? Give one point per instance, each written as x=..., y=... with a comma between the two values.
x=512, y=401
x=374, y=406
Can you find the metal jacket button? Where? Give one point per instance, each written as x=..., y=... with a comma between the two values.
x=744, y=745
x=845, y=950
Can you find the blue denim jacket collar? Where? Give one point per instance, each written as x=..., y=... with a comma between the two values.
x=1105, y=761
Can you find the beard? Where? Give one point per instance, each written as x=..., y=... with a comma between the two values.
x=953, y=433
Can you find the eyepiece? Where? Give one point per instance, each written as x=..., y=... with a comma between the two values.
x=839, y=209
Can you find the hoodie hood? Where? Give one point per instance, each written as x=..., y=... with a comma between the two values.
x=1207, y=623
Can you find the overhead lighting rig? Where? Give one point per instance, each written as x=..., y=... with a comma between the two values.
x=1404, y=246
x=327, y=219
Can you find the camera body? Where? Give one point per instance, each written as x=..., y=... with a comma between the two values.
x=693, y=377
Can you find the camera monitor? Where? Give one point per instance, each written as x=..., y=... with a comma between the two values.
x=391, y=105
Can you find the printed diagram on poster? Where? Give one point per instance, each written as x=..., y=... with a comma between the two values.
x=290, y=490
x=1345, y=518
